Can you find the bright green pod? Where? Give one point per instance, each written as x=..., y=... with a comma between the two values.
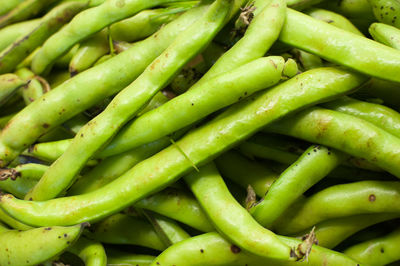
x=7, y=219
x=332, y=232
x=385, y=34
x=10, y=33
x=307, y=61
x=302, y=4
x=87, y=89
x=4, y=120
x=3, y=228
x=377, y=114
x=379, y=251
x=200, y=145
x=334, y=19
x=9, y=5
x=344, y=132
x=212, y=249
x=118, y=258
x=9, y=84
x=36, y=86
x=92, y=253
x=386, y=11
x=49, y=24
x=36, y=245
x=365, y=197
x=127, y=104
x=315, y=163
x=320, y=38
x=86, y=24
x=232, y=220
x=124, y=229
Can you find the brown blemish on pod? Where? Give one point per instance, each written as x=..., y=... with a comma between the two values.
x=372, y=198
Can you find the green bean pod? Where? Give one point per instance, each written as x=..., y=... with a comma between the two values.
x=332, y=232
x=334, y=19
x=124, y=229
x=315, y=163
x=50, y=23
x=365, y=197
x=376, y=114
x=91, y=253
x=232, y=220
x=35, y=88
x=86, y=24
x=212, y=249
x=362, y=139
x=9, y=84
x=320, y=38
x=385, y=34
x=9, y=5
x=118, y=258
x=89, y=52
x=301, y=4
x=10, y=33
x=4, y=120
x=100, y=130
x=3, y=228
x=201, y=145
x=87, y=89
x=386, y=11
x=36, y=245
x=308, y=61
x=379, y=251
x=7, y=219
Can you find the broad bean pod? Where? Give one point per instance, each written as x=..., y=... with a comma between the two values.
x=320, y=38
x=315, y=163
x=9, y=5
x=11, y=222
x=307, y=61
x=36, y=86
x=365, y=197
x=100, y=130
x=232, y=220
x=49, y=24
x=386, y=11
x=117, y=258
x=36, y=245
x=362, y=139
x=385, y=34
x=87, y=89
x=85, y=24
x=3, y=228
x=10, y=33
x=201, y=145
x=91, y=253
x=9, y=84
x=380, y=251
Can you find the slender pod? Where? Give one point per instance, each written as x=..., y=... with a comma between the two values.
x=232, y=220
x=124, y=229
x=85, y=24
x=36, y=245
x=200, y=146
x=386, y=11
x=385, y=34
x=320, y=38
x=379, y=251
x=117, y=258
x=332, y=232
x=91, y=253
x=365, y=197
x=49, y=24
x=315, y=163
x=87, y=89
x=100, y=130
x=12, y=32
x=7, y=219
x=9, y=84
x=344, y=132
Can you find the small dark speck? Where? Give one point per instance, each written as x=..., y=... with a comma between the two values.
x=235, y=249
x=382, y=250
x=158, y=263
x=201, y=250
x=192, y=104
x=65, y=235
x=81, y=135
x=68, y=242
x=386, y=13
x=392, y=8
x=329, y=153
x=30, y=199
x=308, y=153
x=59, y=236
x=45, y=125
x=47, y=228
x=245, y=93
x=372, y=198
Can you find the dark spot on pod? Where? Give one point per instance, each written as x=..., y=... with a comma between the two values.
x=59, y=236
x=372, y=198
x=45, y=125
x=48, y=228
x=308, y=153
x=382, y=250
x=329, y=153
x=202, y=250
x=81, y=135
x=158, y=263
x=245, y=93
x=239, y=98
x=381, y=7
x=68, y=242
x=192, y=104
x=27, y=261
x=386, y=13
x=392, y=8
x=65, y=235
x=30, y=199
x=235, y=249
x=73, y=72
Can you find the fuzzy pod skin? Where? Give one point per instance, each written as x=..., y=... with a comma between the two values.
x=332, y=232
x=200, y=145
x=365, y=197
x=320, y=38
x=36, y=245
x=315, y=163
x=126, y=105
x=124, y=229
x=49, y=24
x=213, y=249
x=334, y=19
x=378, y=251
x=359, y=138
x=92, y=253
x=385, y=34
x=245, y=172
x=117, y=258
x=10, y=33
x=178, y=205
x=386, y=11
x=69, y=99
x=9, y=84
x=86, y=24
x=198, y=102
x=377, y=114
x=231, y=219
